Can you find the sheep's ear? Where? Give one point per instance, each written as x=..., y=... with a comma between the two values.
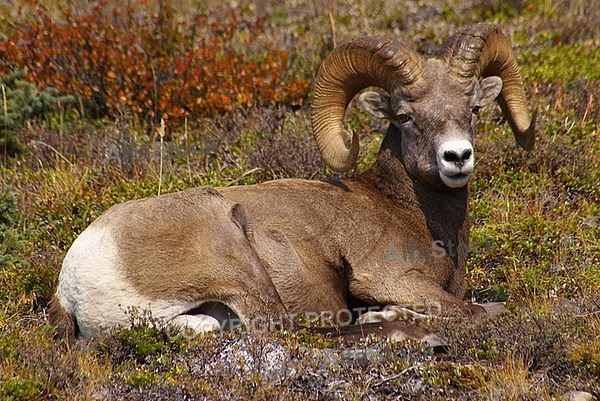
x=376, y=104
x=490, y=88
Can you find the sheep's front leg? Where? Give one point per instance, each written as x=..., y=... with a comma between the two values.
x=396, y=312
x=412, y=296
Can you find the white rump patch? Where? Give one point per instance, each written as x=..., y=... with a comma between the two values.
x=92, y=287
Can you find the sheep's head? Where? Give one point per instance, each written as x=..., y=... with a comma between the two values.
x=432, y=103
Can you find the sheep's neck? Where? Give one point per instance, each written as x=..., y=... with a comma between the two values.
x=445, y=212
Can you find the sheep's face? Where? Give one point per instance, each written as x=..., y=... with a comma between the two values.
x=436, y=119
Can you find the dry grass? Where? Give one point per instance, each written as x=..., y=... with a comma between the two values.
x=510, y=382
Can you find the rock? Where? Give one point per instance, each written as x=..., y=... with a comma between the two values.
x=494, y=308
x=246, y=356
x=577, y=396
x=341, y=358
x=344, y=358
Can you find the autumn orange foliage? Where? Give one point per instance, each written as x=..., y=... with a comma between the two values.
x=149, y=63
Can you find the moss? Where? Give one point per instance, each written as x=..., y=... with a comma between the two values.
x=467, y=377
x=587, y=353
x=141, y=379
x=563, y=63
x=20, y=389
x=497, y=10
x=395, y=20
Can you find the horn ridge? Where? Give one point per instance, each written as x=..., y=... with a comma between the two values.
x=350, y=68
x=483, y=50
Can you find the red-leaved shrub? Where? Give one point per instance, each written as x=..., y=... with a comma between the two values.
x=131, y=58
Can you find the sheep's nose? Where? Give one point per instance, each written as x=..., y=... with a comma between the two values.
x=453, y=156
x=456, y=156
x=455, y=162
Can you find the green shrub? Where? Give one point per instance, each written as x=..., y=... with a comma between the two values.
x=10, y=239
x=20, y=389
x=20, y=101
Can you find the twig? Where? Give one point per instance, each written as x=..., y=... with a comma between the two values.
x=588, y=314
x=246, y=173
x=54, y=150
x=394, y=377
x=161, y=133
x=332, y=22
x=5, y=122
x=187, y=148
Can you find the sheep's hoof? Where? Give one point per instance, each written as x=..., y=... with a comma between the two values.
x=194, y=325
x=494, y=308
x=389, y=314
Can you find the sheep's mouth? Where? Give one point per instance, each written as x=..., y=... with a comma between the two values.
x=455, y=181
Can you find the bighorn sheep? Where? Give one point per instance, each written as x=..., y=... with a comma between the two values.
x=202, y=257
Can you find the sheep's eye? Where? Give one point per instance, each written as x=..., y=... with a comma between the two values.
x=403, y=118
x=475, y=110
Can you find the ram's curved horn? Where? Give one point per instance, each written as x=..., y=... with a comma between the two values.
x=353, y=66
x=483, y=50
